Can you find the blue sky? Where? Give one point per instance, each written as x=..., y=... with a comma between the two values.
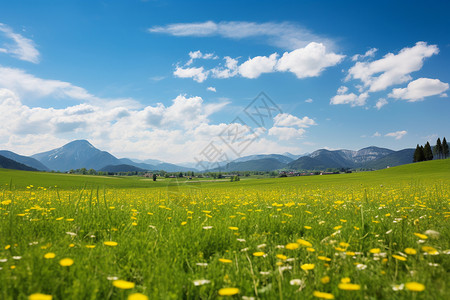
x=165, y=79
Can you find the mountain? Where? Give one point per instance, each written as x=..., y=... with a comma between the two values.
x=7, y=163
x=293, y=156
x=28, y=161
x=174, y=168
x=265, y=164
x=396, y=158
x=76, y=155
x=369, y=157
x=281, y=158
x=121, y=168
x=140, y=165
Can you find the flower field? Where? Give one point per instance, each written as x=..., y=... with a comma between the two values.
x=364, y=236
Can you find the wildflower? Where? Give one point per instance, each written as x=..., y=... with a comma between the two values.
x=225, y=261
x=410, y=251
x=202, y=264
x=281, y=256
x=49, y=255
x=323, y=295
x=258, y=254
x=325, y=279
x=228, y=291
x=110, y=243
x=345, y=280
x=309, y=249
x=292, y=246
x=432, y=234
x=233, y=228
x=421, y=236
x=199, y=282
x=304, y=243
x=430, y=250
x=398, y=287
x=324, y=258
x=207, y=227
x=361, y=266
x=183, y=223
x=137, y=296
x=123, y=284
x=241, y=240
x=296, y=282
x=307, y=267
x=398, y=257
x=90, y=246
x=349, y=286
x=415, y=286
x=39, y=296
x=307, y=227
x=66, y=262
x=112, y=278
x=375, y=250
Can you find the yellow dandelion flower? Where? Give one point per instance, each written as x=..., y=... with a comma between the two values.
x=325, y=279
x=324, y=258
x=429, y=250
x=415, y=286
x=183, y=223
x=292, y=246
x=123, y=284
x=323, y=295
x=344, y=244
x=39, y=296
x=349, y=286
x=281, y=256
x=375, y=250
x=110, y=243
x=410, y=251
x=66, y=262
x=49, y=255
x=258, y=254
x=90, y=246
x=71, y=245
x=233, y=228
x=307, y=227
x=337, y=227
x=421, y=236
x=70, y=220
x=398, y=257
x=7, y=247
x=345, y=280
x=309, y=249
x=307, y=267
x=134, y=224
x=228, y=291
x=304, y=243
x=225, y=261
x=137, y=296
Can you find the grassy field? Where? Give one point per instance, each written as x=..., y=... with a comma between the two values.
x=371, y=235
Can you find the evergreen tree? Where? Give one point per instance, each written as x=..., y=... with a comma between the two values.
x=416, y=154
x=428, y=153
x=421, y=154
x=438, y=148
x=445, y=151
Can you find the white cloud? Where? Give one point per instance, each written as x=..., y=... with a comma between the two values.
x=380, y=103
x=419, y=89
x=392, y=69
x=286, y=133
x=397, y=135
x=288, y=120
x=211, y=89
x=309, y=61
x=369, y=53
x=376, y=134
x=258, y=65
x=230, y=69
x=352, y=99
x=199, y=55
x=285, y=35
x=198, y=74
x=309, y=100
x=21, y=48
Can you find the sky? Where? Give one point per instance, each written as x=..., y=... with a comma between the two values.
x=186, y=81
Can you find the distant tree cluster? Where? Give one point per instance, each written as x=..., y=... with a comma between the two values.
x=424, y=153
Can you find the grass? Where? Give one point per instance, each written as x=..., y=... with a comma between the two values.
x=171, y=234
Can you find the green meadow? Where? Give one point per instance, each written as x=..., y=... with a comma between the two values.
x=368, y=235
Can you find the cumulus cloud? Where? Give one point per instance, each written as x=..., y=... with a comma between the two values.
x=21, y=47
x=288, y=120
x=286, y=133
x=309, y=61
x=351, y=98
x=285, y=35
x=369, y=53
x=199, y=55
x=419, y=89
x=198, y=74
x=309, y=100
x=211, y=89
x=380, y=103
x=392, y=69
x=229, y=70
x=376, y=134
x=397, y=135
x=258, y=65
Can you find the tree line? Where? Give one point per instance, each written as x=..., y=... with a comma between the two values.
x=440, y=151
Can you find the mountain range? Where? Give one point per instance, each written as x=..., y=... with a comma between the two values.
x=82, y=154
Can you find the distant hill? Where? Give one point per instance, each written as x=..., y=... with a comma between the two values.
x=265, y=164
x=281, y=158
x=28, y=161
x=75, y=155
x=7, y=163
x=397, y=158
x=174, y=168
x=121, y=168
x=141, y=165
